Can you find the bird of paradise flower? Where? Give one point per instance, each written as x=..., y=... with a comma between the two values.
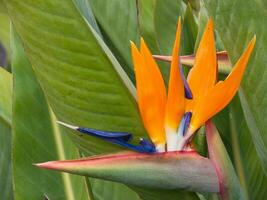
x=170, y=118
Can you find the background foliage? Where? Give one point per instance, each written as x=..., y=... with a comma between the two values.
x=77, y=68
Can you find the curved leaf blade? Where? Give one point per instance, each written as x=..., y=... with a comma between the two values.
x=118, y=21
x=245, y=157
x=78, y=78
x=35, y=138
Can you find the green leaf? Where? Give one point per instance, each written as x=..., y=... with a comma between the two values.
x=6, y=96
x=119, y=25
x=165, y=20
x=159, y=194
x=202, y=21
x=246, y=160
x=110, y=190
x=86, y=11
x=4, y=31
x=36, y=139
x=146, y=21
x=166, y=17
x=2, y=7
x=6, y=187
x=155, y=14
x=78, y=77
x=230, y=188
x=88, y=90
x=189, y=34
x=236, y=28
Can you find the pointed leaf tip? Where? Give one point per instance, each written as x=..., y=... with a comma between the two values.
x=54, y=165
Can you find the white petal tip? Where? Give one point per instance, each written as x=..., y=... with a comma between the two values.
x=68, y=125
x=160, y=148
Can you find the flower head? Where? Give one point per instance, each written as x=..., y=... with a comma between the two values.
x=167, y=118
x=172, y=117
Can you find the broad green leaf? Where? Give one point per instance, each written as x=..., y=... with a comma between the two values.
x=103, y=189
x=36, y=138
x=202, y=21
x=146, y=23
x=189, y=34
x=86, y=11
x=76, y=75
x=78, y=78
x=236, y=28
x=113, y=191
x=6, y=187
x=119, y=25
x=2, y=7
x=158, y=194
x=166, y=17
x=246, y=160
x=165, y=20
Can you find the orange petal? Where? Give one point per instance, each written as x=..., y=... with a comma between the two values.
x=223, y=92
x=203, y=75
x=151, y=93
x=175, y=102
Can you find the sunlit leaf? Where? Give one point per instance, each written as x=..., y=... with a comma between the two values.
x=245, y=158
x=78, y=78
x=118, y=20
x=36, y=138
x=6, y=187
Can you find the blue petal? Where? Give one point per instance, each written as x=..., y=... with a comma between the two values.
x=146, y=144
x=105, y=134
x=139, y=148
x=121, y=139
x=187, y=118
x=187, y=90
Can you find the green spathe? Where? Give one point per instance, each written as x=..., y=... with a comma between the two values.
x=171, y=170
